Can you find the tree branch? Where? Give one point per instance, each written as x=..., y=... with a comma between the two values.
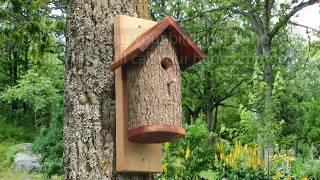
x=283, y=21
x=255, y=19
x=236, y=107
x=229, y=105
x=304, y=26
x=229, y=94
x=268, y=4
x=232, y=9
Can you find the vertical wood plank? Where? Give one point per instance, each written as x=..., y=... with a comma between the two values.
x=130, y=157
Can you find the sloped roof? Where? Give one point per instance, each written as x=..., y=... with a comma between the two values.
x=188, y=52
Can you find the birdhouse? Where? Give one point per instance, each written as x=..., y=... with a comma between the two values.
x=153, y=63
x=148, y=62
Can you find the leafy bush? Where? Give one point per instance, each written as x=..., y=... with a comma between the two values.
x=209, y=175
x=240, y=156
x=50, y=145
x=306, y=168
x=195, y=157
x=11, y=132
x=189, y=156
x=237, y=162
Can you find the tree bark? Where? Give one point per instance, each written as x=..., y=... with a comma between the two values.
x=14, y=76
x=89, y=117
x=209, y=116
x=187, y=116
x=215, y=119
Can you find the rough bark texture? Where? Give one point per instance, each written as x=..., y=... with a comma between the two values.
x=154, y=93
x=89, y=121
x=141, y=7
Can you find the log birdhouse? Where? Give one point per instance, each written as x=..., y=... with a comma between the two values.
x=148, y=62
x=153, y=63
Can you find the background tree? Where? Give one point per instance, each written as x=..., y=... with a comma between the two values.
x=256, y=16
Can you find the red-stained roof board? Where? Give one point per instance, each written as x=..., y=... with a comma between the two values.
x=188, y=52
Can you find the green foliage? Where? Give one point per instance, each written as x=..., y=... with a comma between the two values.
x=31, y=77
x=34, y=89
x=7, y=151
x=10, y=174
x=238, y=162
x=248, y=126
x=38, y=88
x=311, y=124
x=209, y=175
x=194, y=157
x=11, y=132
x=306, y=168
x=50, y=145
x=9, y=155
x=189, y=156
x=229, y=173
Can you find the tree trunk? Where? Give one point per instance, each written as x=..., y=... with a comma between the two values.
x=14, y=76
x=89, y=117
x=215, y=119
x=263, y=49
x=25, y=66
x=209, y=116
x=187, y=116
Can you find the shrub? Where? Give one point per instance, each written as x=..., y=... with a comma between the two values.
x=187, y=157
x=11, y=132
x=50, y=145
x=238, y=162
x=306, y=168
x=195, y=157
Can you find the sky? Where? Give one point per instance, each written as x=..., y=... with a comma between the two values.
x=309, y=16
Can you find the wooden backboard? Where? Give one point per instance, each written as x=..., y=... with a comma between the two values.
x=130, y=157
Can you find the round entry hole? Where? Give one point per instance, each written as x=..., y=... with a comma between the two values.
x=166, y=63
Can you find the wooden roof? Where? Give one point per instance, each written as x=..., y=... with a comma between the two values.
x=188, y=52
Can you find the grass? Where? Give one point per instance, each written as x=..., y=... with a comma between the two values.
x=7, y=173
x=7, y=152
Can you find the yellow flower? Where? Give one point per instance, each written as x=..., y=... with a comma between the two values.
x=277, y=176
x=164, y=167
x=178, y=161
x=305, y=178
x=187, y=152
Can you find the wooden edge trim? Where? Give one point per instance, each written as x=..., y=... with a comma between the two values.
x=186, y=37
x=124, y=59
x=156, y=128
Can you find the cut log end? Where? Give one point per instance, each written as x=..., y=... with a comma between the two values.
x=155, y=134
